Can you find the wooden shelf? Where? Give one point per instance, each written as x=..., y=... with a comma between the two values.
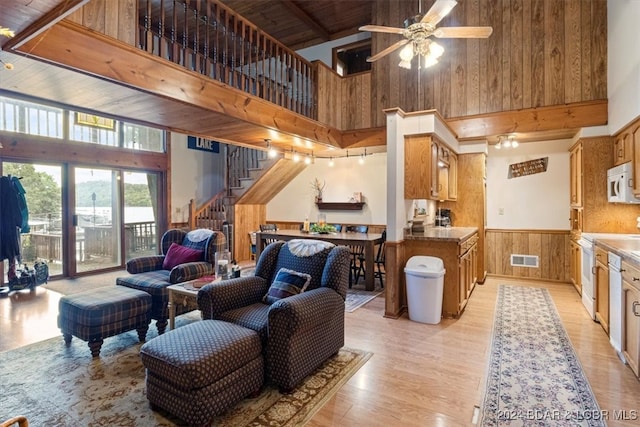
x=340, y=206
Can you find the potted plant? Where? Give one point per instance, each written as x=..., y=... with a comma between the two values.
x=318, y=187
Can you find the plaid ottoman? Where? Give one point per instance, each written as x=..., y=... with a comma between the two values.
x=104, y=312
x=200, y=370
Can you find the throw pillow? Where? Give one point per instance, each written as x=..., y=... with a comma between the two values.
x=178, y=254
x=287, y=283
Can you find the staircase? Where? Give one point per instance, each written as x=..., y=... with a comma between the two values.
x=244, y=167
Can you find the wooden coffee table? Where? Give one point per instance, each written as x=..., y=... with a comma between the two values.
x=186, y=294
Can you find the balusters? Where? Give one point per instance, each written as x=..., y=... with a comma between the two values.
x=211, y=39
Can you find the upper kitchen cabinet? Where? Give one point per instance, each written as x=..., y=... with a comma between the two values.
x=590, y=159
x=430, y=169
x=623, y=148
x=635, y=137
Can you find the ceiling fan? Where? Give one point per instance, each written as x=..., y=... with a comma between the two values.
x=418, y=31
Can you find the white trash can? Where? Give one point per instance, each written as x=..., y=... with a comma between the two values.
x=425, y=282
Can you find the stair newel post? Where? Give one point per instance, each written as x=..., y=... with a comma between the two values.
x=192, y=214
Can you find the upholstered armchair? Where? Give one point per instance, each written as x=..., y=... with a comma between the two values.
x=185, y=256
x=301, y=330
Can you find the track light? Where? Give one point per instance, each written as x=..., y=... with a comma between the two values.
x=331, y=162
x=271, y=152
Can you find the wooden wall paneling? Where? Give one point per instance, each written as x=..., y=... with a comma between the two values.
x=247, y=219
x=572, y=43
x=551, y=246
x=527, y=37
x=535, y=247
x=94, y=16
x=395, y=302
x=516, y=56
x=494, y=59
x=537, y=53
x=472, y=67
x=507, y=51
x=586, y=52
x=554, y=53
x=272, y=182
x=599, y=51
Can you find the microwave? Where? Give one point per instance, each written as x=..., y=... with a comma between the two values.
x=620, y=184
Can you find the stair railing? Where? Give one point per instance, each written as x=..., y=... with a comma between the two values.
x=240, y=161
x=211, y=215
x=207, y=37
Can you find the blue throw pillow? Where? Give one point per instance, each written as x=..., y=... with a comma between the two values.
x=287, y=283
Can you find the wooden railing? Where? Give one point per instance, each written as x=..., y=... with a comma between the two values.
x=210, y=215
x=207, y=37
x=240, y=161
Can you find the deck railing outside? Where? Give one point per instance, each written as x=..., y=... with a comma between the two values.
x=207, y=37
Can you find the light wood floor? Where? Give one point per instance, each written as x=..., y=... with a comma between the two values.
x=419, y=375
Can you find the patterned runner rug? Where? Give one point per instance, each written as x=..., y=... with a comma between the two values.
x=357, y=298
x=535, y=377
x=53, y=385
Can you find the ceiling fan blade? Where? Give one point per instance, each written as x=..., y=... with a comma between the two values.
x=463, y=32
x=388, y=50
x=381, y=29
x=439, y=10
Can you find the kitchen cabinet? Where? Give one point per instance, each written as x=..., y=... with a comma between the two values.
x=601, y=288
x=575, y=261
x=631, y=316
x=623, y=148
x=575, y=177
x=430, y=169
x=457, y=247
x=420, y=167
x=636, y=161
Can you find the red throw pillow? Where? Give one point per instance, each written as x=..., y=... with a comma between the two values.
x=178, y=254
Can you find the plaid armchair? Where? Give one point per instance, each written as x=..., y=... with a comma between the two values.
x=148, y=274
x=298, y=332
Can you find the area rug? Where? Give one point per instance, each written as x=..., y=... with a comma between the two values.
x=53, y=385
x=356, y=299
x=534, y=377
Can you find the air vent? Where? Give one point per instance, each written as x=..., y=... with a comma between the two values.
x=530, y=261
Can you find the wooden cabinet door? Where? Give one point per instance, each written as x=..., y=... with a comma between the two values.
x=602, y=290
x=575, y=267
x=631, y=325
x=636, y=161
x=462, y=283
x=434, y=171
x=575, y=175
x=417, y=167
x=623, y=148
x=453, y=176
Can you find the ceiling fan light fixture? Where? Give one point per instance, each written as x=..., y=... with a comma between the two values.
x=430, y=61
x=405, y=64
x=436, y=50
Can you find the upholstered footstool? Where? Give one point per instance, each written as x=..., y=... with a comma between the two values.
x=200, y=370
x=104, y=312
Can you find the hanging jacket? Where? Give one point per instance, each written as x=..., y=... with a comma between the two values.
x=22, y=204
x=10, y=220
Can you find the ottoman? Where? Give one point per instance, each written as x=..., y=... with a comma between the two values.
x=104, y=312
x=200, y=370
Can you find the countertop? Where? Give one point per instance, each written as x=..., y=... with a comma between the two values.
x=451, y=234
x=627, y=248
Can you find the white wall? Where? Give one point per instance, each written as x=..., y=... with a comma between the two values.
x=296, y=201
x=195, y=174
x=623, y=68
x=539, y=201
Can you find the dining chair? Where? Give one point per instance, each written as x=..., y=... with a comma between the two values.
x=269, y=227
x=357, y=251
x=379, y=262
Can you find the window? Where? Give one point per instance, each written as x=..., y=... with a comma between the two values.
x=29, y=118
x=352, y=58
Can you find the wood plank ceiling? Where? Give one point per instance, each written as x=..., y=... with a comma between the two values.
x=297, y=24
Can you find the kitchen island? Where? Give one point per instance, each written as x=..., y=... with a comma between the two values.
x=458, y=249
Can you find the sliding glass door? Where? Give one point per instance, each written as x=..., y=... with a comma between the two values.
x=97, y=219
